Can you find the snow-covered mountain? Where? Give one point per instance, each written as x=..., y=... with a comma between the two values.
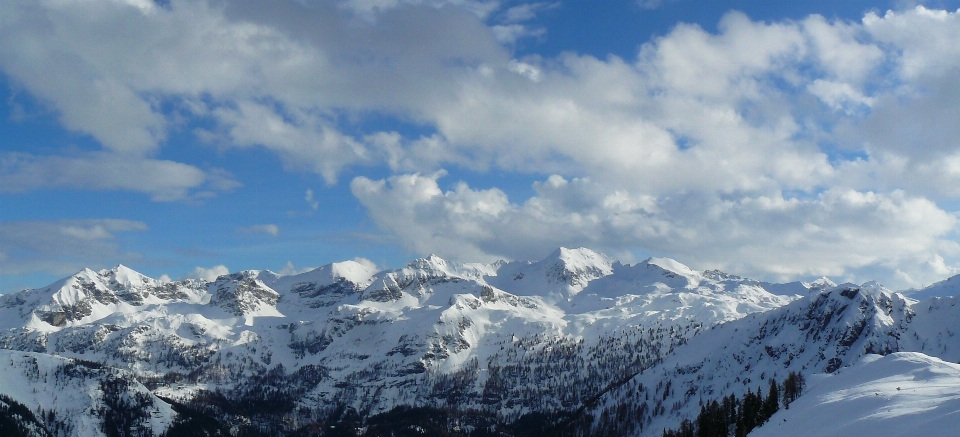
x=820, y=333
x=81, y=398
x=574, y=334
x=945, y=288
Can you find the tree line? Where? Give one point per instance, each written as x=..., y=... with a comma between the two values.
x=736, y=417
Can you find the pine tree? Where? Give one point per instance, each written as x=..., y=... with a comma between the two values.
x=772, y=402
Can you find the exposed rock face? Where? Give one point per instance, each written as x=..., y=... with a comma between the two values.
x=574, y=332
x=243, y=294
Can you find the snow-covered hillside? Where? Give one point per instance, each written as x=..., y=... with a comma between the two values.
x=81, y=398
x=900, y=395
x=946, y=288
x=820, y=333
x=575, y=333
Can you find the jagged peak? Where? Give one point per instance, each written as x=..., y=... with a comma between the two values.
x=243, y=275
x=244, y=294
x=238, y=276
x=429, y=262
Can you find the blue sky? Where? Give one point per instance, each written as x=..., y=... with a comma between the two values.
x=778, y=140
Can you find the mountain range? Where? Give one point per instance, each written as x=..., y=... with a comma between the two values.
x=574, y=344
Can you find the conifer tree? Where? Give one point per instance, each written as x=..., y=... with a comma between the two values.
x=772, y=403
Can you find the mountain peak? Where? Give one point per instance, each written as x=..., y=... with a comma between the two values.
x=578, y=266
x=242, y=294
x=672, y=265
x=580, y=255
x=433, y=265
x=820, y=284
x=429, y=262
x=580, y=260
x=354, y=271
x=125, y=276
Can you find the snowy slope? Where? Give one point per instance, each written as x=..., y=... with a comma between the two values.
x=799, y=288
x=946, y=288
x=78, y=393
x=574, y=320
x=665, y=292
x=901, y=394
x=505, y=338
x=87, y=297
x=556, y=278
x=823, y=332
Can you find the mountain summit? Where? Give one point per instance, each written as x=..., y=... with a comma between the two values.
x=574, y=335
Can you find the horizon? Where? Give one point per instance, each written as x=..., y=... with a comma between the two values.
x=213, y=274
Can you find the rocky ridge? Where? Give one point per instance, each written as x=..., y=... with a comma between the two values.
x=576, y=334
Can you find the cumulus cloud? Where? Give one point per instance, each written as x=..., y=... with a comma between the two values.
x=160, y=179
x=208, y=274
x=833, y=233
x=304, y=141
x=276, y=76
x=62, y=247
x=269, y=229
x=700, y=137
x=730, y=111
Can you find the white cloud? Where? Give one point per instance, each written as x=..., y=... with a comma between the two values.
x=840, y=96
x=366, y=263
x=270, y=229
x=924, y=37
x=62, y=247
x=371, y=7
x=290, y=269
x=106, y=67
x=304, y=141
x=208, y=274
x=690, y=100
x=160, y=179
x=311, y=201
x=511, y=33
x=836, y=233
x=840, y=50
x=699, y=134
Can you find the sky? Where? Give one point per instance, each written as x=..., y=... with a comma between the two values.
x=186, y=139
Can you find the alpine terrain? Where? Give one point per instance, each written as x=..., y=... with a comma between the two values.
x=574, y=344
